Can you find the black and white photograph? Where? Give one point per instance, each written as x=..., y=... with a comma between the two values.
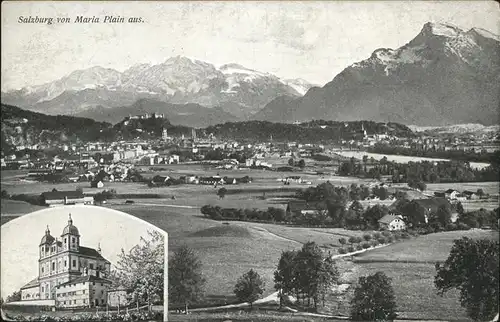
x=250, y=160
x=81, y=263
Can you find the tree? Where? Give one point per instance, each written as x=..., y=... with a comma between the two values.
x=342, y=241
x=443, y=215
x=222, y=192
x=301, y=163
x=472, y=268
x=284, y=276
x=249, y=287
x=314, y=274
x=480, y=192
x=14, y=297
x=141, y=268
x=185, y=280
x=373, y=299
x=291, y=162
x=357, y=207
x=5, y=194
x=460, y=208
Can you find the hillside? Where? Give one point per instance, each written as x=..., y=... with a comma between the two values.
x=443, y=76
x=314, y=131
x=20, y=127
x=26, y=128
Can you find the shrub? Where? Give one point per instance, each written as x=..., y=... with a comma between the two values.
x=377, y=235
x=375, y=243
x=367, y=237
x=359, y=240
x=381, y=240
x=451, y=226
x=342, y=250
x=350, y=249
x=405, y=235
x=359, y=247
x=386, y=233
x=342, y=241
x=389, y=239
x=366, y=245
x=462, y=226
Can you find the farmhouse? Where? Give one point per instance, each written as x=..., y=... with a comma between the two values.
x=301, y=207
x=432, y=205
x=96, y=184
x=451, y=194
x=391, y=222
x=470, y=195
x=61, y=198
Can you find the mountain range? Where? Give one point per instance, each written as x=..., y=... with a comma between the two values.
x=443, y=76
x=231, y=91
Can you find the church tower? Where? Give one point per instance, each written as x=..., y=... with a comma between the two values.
x=70, y=236
x=45, y=243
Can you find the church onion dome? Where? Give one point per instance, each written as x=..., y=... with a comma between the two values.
x=47, y=238
x=70, y=229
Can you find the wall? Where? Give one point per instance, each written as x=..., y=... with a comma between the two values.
x=73, y=295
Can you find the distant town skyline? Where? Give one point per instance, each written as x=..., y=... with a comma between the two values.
x=20, y=238
x=310, y=40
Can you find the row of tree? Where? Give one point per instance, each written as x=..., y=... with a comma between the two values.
x=422, y=171
x=468, y=156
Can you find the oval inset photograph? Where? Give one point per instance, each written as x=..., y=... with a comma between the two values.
x=82, y=263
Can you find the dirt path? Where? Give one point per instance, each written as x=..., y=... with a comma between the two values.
x=261, y=229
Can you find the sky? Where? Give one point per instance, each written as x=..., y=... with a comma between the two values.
x=313, y=40
x=21, y=237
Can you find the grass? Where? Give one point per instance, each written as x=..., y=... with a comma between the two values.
x=416, y=296
x=410, y=264
x=16, y=207
x=229, y=251
x=425, y=249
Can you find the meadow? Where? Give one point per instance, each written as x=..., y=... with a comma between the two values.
x=229, y=249
x=410, y=264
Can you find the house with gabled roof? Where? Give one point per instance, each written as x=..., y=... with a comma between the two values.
x=392, y=222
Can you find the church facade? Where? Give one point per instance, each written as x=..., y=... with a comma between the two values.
x=70, y=275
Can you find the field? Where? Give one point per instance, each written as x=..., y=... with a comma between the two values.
x=229, y=249
x=491, y=188
x=14, y=207
x=410, y=264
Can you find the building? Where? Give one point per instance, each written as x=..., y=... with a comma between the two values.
x=61, y=198
x=451, y=194
x=69, y=275
x=118, y=296
x=391, y=222
x=301, y=207
x=471, y=195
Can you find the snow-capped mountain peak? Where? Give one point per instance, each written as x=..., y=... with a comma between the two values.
x=441, y=29
x=178, y=80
